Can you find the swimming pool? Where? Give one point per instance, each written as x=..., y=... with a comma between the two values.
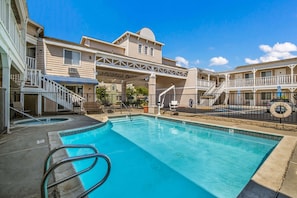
x=164, y=158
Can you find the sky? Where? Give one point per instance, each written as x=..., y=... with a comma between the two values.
x=216, y=35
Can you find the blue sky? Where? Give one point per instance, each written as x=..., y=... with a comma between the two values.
x=216, y=35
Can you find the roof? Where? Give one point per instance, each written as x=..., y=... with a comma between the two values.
x=72, y=80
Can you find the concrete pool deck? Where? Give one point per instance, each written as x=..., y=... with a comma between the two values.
x=23, y=151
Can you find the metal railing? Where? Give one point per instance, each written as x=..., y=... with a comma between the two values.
x=128, y=109
x=49, y=169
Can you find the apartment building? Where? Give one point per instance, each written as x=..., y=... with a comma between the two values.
x=50, y=75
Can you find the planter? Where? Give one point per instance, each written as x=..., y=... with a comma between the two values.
x=145, y=109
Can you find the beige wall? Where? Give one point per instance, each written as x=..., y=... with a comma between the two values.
x=40, y=55
x=89, y=93
x=133, y=50
x=107, y=48
x=55, y=63
x=168, y=62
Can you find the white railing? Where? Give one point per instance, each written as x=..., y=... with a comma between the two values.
x=212, y=94
x=263, y=81
x=31, y=62
x=205, y=83
x=8, y=20
x=52, y=90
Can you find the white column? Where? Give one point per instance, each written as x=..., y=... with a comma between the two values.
x=254, y=76
x=292, y=73
x=152, y=93
x=254, y=98
x=124, y=85
x=6, y=65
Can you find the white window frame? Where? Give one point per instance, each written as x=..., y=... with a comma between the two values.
x=265, y=72
x=249, y=75
x=152, y=51
x=139, y=48
x=145, y=50
x=79, y=63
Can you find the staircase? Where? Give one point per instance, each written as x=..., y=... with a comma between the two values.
x=212, y=94
x=36, y=82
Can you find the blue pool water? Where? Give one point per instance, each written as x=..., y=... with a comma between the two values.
x=162, y=158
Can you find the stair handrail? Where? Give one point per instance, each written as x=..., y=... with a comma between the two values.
x=25, y=114
x=44, y=183
x=36, y=78
x=129, y=109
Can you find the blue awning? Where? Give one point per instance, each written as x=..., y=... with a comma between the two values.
x=72, y=80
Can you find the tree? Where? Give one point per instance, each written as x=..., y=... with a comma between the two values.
x=142, y=91
x=102, y=94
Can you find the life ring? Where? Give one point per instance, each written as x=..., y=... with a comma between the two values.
x=281, y=115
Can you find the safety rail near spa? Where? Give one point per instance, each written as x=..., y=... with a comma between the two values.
x=49, y=169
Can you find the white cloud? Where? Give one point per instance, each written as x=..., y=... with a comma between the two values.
x=181, y=61
x=251, y=61
x=277, y=52
x=197, y=62
x=218, y=61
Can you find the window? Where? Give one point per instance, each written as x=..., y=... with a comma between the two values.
x=152, y=51
x=145, y=49
x=71, y=57
x=248, y=96
x=139, y=48
x=266, y=74
x=265, y=96
x=249, y=75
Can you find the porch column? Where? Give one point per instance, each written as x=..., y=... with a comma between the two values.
x=227, y=80
x=152, y=93
x=254, y=98
x=226, y=98
x=124, y=85
x=39, y=103
x=254, y=76
x=6, y=65
x=292, y=95
x=292, y=73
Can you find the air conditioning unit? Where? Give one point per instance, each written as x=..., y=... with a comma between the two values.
x=72, y=70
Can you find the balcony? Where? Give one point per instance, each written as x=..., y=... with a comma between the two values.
x=13, y=36
x=30, y=62
x=264, y=82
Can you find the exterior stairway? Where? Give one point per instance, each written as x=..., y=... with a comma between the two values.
x=37, y=83
x=212, y=94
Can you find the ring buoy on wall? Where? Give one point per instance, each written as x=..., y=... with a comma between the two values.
x=288, y=110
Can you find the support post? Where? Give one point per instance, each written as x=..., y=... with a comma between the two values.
x=152, y=93
x=6, y=65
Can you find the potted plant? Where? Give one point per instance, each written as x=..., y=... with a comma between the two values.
x=145, y=106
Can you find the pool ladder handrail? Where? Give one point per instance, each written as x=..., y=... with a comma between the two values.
x=25, y=114
x=48, y=169
x=128, y=109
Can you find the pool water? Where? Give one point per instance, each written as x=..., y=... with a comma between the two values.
x=162, y=158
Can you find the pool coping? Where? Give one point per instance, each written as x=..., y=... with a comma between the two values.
x=73, y=187
x=16, y=124
x=263, y=182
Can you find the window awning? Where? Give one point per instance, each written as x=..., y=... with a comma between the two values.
x=72, y=80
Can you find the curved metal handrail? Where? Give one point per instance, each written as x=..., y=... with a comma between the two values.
x=49, y=155
x=44, y=183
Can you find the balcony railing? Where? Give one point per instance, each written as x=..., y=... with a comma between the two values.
x=205, y=83
x=31, y=62
x=263, y=81
x=8, y=22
